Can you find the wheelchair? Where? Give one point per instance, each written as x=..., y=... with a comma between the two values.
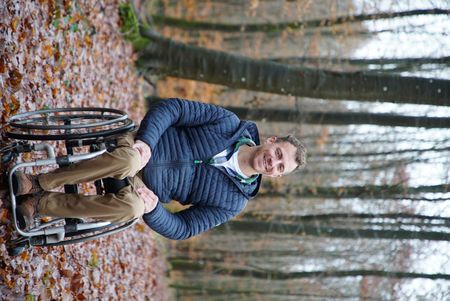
x=86, y=133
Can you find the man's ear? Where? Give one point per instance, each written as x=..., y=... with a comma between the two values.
x=271, y=140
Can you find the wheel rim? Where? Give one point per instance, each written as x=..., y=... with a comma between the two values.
x=68, y=123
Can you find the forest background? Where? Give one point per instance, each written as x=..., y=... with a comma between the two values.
x=367, y=219
x=365, y=85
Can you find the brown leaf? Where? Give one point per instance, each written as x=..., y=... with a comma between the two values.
x=15, y=78
x=76, y=283
x=2, y=64
x=66, y=273
x=22, y=36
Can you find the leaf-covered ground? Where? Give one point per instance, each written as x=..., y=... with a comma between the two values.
x=70, y=53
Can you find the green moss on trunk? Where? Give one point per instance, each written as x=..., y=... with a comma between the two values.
x=130, y=27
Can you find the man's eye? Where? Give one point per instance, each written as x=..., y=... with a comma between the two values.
x=279, y=153
x=281, y=168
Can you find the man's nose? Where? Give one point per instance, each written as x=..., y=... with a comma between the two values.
x=273, y=161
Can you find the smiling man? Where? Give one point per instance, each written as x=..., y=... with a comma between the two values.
x=195, y=153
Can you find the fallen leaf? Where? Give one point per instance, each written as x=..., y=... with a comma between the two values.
x=6, y=109
x=2, y=64
x=16, y=104
x=93, y=262
x=76, y=282
x=14, y=24
x=140, y=228
x=15, y=78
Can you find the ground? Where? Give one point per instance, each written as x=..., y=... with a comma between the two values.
x=70, y=53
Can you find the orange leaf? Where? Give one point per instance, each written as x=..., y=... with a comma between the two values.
x=54, y=92
x=88, y=41
x=16, y=104
x=4, y=216
x=47, y=77
x=24, y=256
x=22, y=36
x=14, y=24
x=140, y=228
x=45, y=219
x=48, y=49
x=6, y=109
x=26, y=156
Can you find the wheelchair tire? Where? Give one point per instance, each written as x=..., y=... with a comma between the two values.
x=68, y=123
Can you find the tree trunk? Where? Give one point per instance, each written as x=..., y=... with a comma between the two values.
x=184, y=265
x=326, y=231
x=335, y=118
x=196, y=63
x=208, y=290
x=322, y=62
x=367, y=191
x=293, y=25
x=427, y=219
x=375, y=153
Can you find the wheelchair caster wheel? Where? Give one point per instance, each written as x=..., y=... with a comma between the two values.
x=6, y=157
x=16, y=249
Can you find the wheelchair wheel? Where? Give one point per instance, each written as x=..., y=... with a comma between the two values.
x=68, y=123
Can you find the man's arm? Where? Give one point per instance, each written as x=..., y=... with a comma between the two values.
x=179, y=112
x=186, y=223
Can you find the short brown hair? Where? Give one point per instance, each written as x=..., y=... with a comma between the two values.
x=300, y=156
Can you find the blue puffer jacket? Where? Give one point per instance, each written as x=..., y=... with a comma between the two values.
x=179, y=132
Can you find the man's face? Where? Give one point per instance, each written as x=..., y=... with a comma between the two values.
x=275, y=159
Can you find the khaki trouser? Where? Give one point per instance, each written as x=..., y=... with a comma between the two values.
x=125, y=205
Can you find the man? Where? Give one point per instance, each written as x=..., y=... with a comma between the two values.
x=195, y=153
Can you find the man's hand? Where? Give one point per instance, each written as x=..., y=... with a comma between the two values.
x=149, y=198
x=144, y=150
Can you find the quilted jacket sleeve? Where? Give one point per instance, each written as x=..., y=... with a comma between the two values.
x=178, y=112
x=186, y=223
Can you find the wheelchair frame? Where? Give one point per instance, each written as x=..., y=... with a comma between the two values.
x=94, y=127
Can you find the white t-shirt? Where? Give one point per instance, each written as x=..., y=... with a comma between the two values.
x=232, y=165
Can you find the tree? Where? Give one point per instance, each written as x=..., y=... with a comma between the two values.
x=387, y=65
x=293, y=25
x=363, y=192
x=190, y=62
x=425, y=219
x=336, y=118
x=184, y=265
x=328, y=231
